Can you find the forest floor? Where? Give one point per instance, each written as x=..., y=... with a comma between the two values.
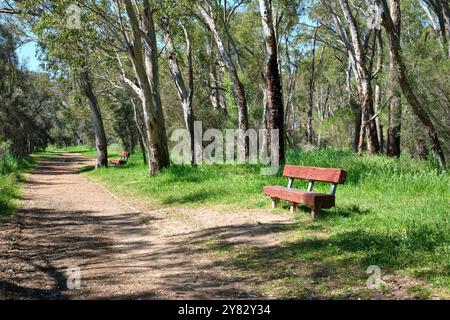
x=126, y=249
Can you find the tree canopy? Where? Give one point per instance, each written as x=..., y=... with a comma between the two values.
x=325, y=73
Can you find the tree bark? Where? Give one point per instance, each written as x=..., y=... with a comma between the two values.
x=446, y=19
x=152, y=66
x=142, y=140
x=145, y=67
x=185, y=93
x=420, y=149
x=99, y=130
x=395, y=108
x=353, y=105
x=377, y=110
x=216, y=96
x=377, y=96
x=364, y=78
x=275, y=112
x=393, y=38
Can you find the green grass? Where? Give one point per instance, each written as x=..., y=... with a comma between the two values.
x=12, y=175
x=394, y=213
x=86, y=151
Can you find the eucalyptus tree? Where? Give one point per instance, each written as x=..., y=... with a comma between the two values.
x=29, y=100
x=356, y=40
x=275, y=107
x=209, y=12
x=137, y=29
x=438, y=12
x=169, y=21
x=393, y=91
x=391, y=19
x=69, y=47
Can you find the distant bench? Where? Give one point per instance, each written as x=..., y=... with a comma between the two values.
x=314, y=200
x=122, y=161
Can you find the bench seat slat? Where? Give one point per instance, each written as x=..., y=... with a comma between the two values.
x=312, y=199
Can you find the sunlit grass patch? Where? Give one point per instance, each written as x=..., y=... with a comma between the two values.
x=12, y=176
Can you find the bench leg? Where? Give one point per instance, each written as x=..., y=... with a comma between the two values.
x=293, y=207
x=315, y=212
x=274, y=202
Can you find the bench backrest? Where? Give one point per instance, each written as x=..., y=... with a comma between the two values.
x=124, y=155
x=331, y=175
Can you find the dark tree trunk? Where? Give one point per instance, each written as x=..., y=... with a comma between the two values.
x=446, y=19
x=394, y=117
x=395, y=108
x=275, y=112
x=368, y=127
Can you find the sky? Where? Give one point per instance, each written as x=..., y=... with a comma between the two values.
x=27, y=56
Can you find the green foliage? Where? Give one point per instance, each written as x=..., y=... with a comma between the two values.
x=11, y=178
x=336, y=130
x=28, y=100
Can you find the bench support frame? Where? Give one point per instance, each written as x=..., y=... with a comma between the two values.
x=293, y=207
x=274, y=202
x=315, y=212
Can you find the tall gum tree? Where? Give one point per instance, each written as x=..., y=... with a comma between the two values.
x=395, y=107
x=142, y=51
x=238, y=87
x=391, y=14
x=72, y=47
x=275, y=107
x=185, y=91
x=350, y=34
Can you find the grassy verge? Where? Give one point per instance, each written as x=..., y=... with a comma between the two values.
x=12, y=175
x=393, y=213
x=86, y=151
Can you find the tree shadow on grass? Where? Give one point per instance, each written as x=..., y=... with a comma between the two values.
x=87, y=168
x=7, y=209
x=347, y=255
x=342, y=211
x=199, y=196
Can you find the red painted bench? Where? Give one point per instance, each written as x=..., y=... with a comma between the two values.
x=122, y=161
x=314, y=200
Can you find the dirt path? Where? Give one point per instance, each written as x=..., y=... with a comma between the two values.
x=122, y=252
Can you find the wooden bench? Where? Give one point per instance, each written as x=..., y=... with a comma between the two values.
x=314, y=200
x=122, y=161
